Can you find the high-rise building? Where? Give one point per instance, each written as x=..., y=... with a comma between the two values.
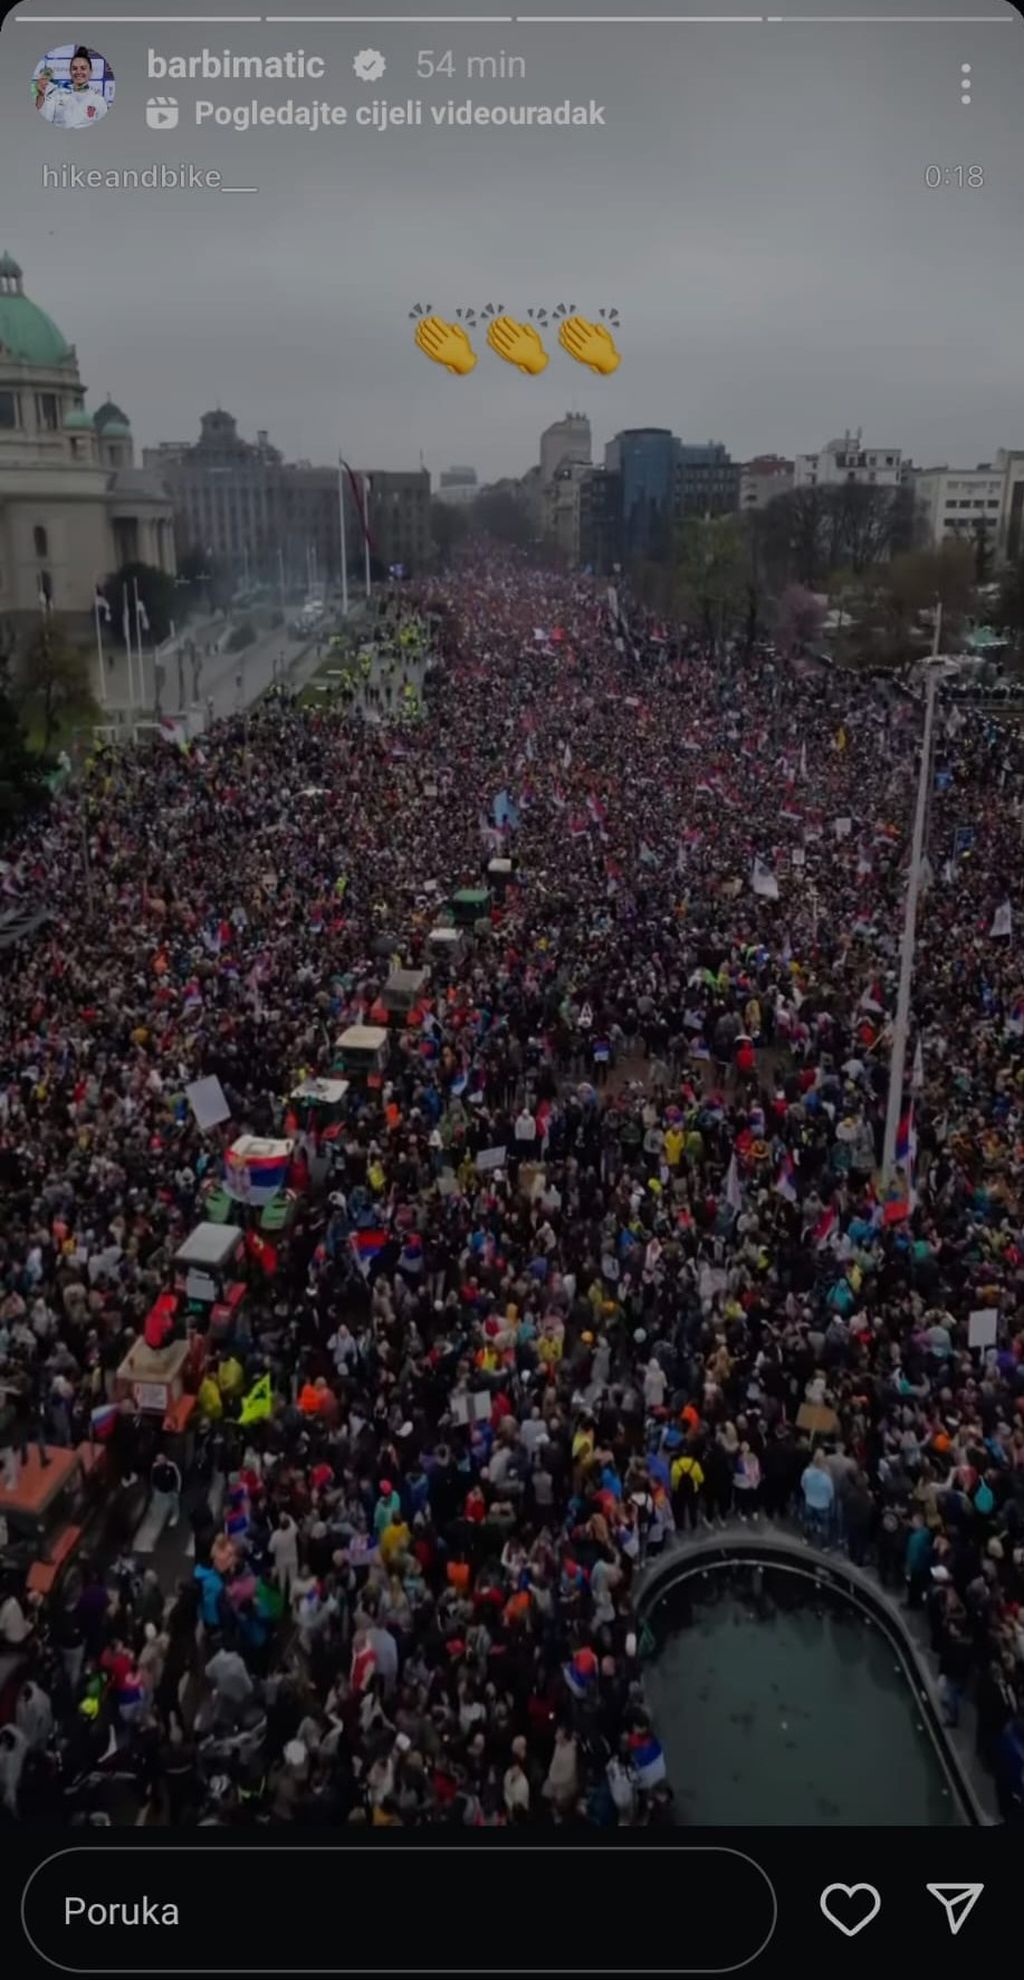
x=643, y=458
x=567, y=440
x=707, y=480
x=73, y=505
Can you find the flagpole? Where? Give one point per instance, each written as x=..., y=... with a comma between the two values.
x=99, y=651
x=126, y=627
x=341, y=525
x=898, y=1056
x=138, y=638
x=366, y=532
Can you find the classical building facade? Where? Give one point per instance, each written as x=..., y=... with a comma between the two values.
x=273, y=521
x=73, y=506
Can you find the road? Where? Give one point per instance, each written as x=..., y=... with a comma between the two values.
x=259, y=666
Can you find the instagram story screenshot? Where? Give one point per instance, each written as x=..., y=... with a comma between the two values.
x=511, y=986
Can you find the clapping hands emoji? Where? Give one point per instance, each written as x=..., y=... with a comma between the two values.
x=518, y=344
x=590, y=344
x=445, y=343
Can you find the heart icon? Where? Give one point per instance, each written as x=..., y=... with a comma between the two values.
x=862, y=1904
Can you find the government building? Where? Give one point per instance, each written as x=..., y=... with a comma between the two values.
x=73, y=505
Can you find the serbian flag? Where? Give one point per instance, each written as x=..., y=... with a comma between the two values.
x=412, y=1253
x=898, y=1201
x=906, y=1140
x=368, y=1245
x=785, y=1181
x=255, y=1170
x=359, y=486
x=646, y=1754
x=102, y=1421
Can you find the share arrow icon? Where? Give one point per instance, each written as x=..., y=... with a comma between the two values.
x=957, y=1901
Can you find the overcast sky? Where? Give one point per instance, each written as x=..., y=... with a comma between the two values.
x=756, y=209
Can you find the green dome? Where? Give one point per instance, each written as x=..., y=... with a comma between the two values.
x=79, y=418
x=26, y=332
x=110, y=419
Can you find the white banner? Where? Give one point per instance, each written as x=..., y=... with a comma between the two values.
x=763, y=881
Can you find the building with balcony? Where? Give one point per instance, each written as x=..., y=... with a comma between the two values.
x=848, y=460
x=960, y=502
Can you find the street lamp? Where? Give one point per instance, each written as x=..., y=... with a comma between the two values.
x=901, y=1027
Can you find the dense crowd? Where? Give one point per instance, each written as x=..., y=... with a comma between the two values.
x=628, y=1266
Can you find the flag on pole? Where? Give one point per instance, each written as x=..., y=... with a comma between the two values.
x=763, y=881
x=917, y=1075
x=102, y=1421
x=1002, y=920
x=785, y=1181
x=733, y=1191
x=901, y=1197
x=360, y=487
x=368, y=1245
x=906, y=1140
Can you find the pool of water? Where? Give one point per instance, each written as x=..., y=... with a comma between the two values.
x=779, y=1703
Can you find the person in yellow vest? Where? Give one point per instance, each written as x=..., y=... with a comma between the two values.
x=210, y=1400
x=687, y=1476
x=230, y=1377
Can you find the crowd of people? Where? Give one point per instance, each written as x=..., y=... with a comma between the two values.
x=604, y=1257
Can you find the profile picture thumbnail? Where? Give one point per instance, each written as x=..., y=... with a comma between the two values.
x=73, y=86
